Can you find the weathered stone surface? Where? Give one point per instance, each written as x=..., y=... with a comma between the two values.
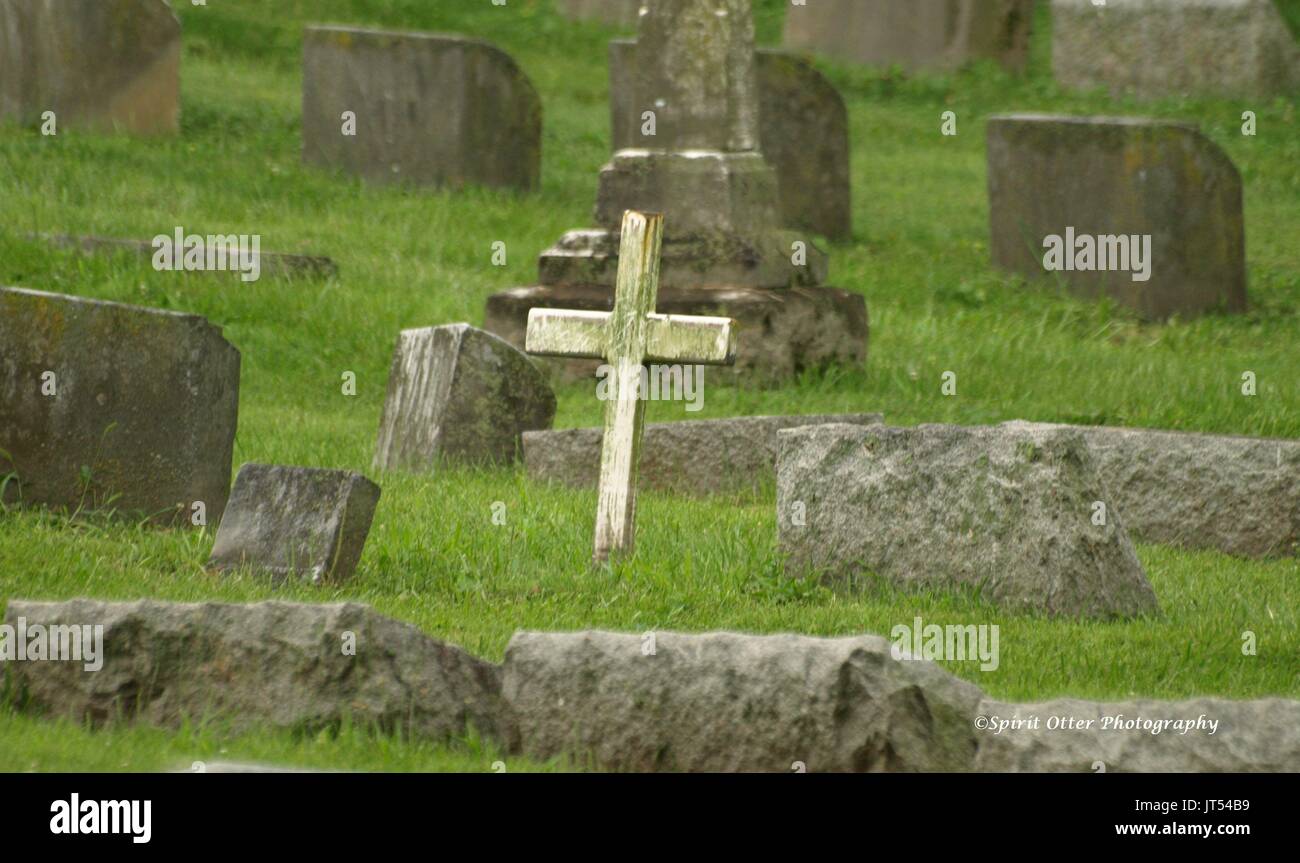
x=1261, y=736
x=1239, y=495
x=268, y=263
x=730, y=702
x=141, y=419
x=736, y=454
x=99, y=65
x=1113, y=177
x=430, y=109
x=459, y=394
x=1007, y=510
x=782, y=333
x=702, y=260
x=1160, y=48
x=296, y=522
x=266, y=664
x=615, y=13
x=918, y=34
x=803, y=134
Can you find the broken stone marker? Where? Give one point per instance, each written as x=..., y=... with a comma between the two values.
x=1146, y=212
x=803, y=133
x=95, y=65
x=725, y=253
x=301, y=666
x=421, y=108
x=737, y=454
x=1009, y=510
x=295, y=522
x=458, y=394
x=105, y=406
x=917, y=35
x=1162, y=48
x=1240, y=495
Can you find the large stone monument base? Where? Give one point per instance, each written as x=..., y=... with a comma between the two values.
x=783, y=332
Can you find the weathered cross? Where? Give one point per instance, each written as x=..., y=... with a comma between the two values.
x=627, y=338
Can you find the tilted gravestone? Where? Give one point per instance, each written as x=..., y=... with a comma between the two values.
x=98, y=65
x=421, y=108
x=1146, y=212
x=295, y=522
x=458, y=394
x=1008, y=510
x=803, y=134
x=917, y=34
x=1161, y=48
x=736, y=454
x=615, y=13
x=724, y=252
x=115, y=407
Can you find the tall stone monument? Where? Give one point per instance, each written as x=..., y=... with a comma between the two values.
x=724, y=250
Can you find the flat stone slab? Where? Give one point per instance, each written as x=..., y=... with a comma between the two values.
x=1162, y=48
x=614, y=13
x=790, y=330
x=725, y=702
x=1007, y=510
x=917, y=35
x=1103, y=188
x=1240, y=495
x=1260, y=736
x=295, y=522
x=736, y=454
x=429, y=109
x=115, y=407
x=268, y=263
x=99, y=65
x=803, y=134
x=275, y=664
x=457, y=394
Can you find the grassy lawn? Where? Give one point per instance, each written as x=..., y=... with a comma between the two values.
x=417, y=258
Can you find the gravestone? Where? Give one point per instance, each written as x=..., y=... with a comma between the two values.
x=629, y=337
x=724, y=252
x=1162, y=48
x=115, y=407
x=267, y=664
x=427, y=109
x=737, y=454
x=295, y=522
x=803, y=133
x=458, y=394
x=98, y=65
x=917, y=35
x=1006, y=510
x=614, y=13
x=1240, y=495
x=1100, y=190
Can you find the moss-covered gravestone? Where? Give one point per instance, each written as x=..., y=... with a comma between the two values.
x=725, y=252
x=1145, y=212
x=115, y=407
x=421, y=108
x=98, y=65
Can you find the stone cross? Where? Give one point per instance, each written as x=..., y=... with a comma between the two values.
x=628, y=337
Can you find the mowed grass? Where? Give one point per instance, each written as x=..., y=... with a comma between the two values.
x=416, y=258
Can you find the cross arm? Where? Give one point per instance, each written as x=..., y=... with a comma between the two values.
x=670, y=339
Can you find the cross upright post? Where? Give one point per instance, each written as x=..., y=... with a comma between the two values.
x=627, y=338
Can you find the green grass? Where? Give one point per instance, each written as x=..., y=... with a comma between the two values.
x=414, y=258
